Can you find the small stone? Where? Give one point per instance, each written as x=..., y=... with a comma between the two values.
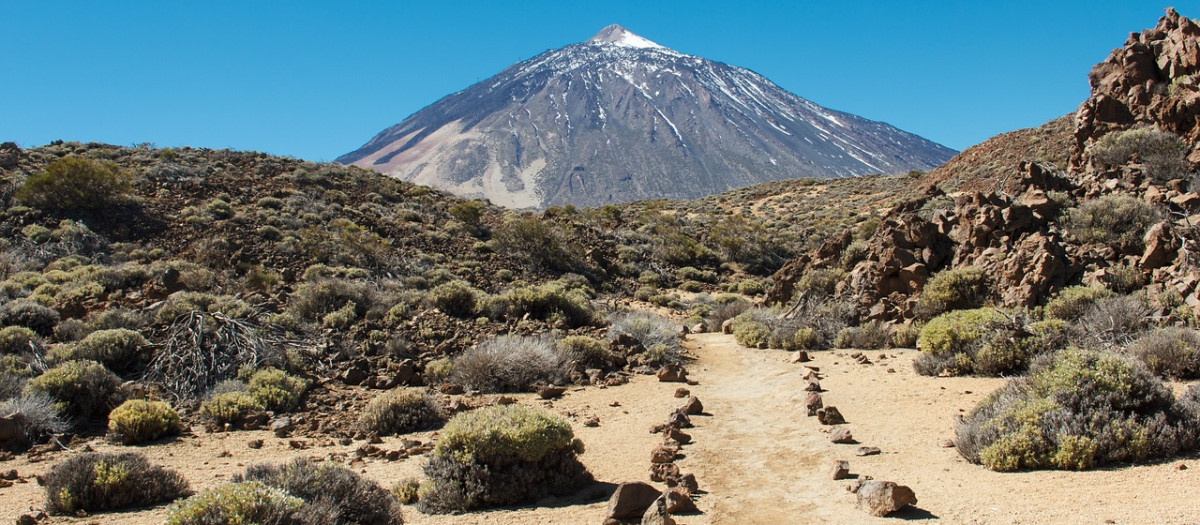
x=830, y=416
x=682, y=392
x=672, y=374
x=505, y=400
x=880, y=498
x=674, y=434
x=841, y=435
x=591, y=422
x=840, y=470
x=10, y=475
x=679, y=502
x=867, y=451
x=26, y=519
x=298, y=444
x=662, y=454
x=947, y=443
x=813, y=403
x=693, y=407
x=631, y=500
x=801, y=357
x=662, y=472
x=1181, y=466
x=551, y=392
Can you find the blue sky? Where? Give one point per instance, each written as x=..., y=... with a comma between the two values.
x=315, y=80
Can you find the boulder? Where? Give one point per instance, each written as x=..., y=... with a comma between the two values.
x=813, y=403
x=693, y=407
x=727, y=326
x=672, y=374
x=631, y=500
x=868, y=451
x=841, y=435
x=679, y=502
x=662, y=472
x=551, y=392
x=880, y=498
x=657, y=514
x=663, y=454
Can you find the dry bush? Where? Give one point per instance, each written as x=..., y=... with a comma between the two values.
x=1116, y=220
x=329, y=490
x=1116, y=320
x=398, y=412
x=1071, y=303
x=870, y=336
x=723, y=312
x=511, y=364
x=649, y=329
x=36, y=418
x=97, y=482
x=204, y=349
x=1161, y=154
x=1172, y=352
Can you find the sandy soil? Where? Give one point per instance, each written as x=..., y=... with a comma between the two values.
x=757, y=457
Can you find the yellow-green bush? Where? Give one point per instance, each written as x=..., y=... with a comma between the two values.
x=1079, y=409
x=806, y=339
x=1116, y=220
x=398, y=411
x=138, y=421
x=331, y=492
x=81, y=389
x=229, y=408
x=275, y=389
x=980, y=341
x=407, y=490
x=954, y=289
x=503, y=432
x=588, y=350
x=117, y=349
x=235, y=503
x=1071, y=303
x=456, y=298
x=438, y=370
x=749, y=330
x=18, y=339
x=905, y=335
x=953, y=330
x=75, y=183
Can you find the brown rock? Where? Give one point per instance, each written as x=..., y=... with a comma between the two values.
x=830, y=416
x=682, y=392
x=674, y=434
x=657, y=514
x=812, y=385
x=699, y=328
x=672, y=374
x=663, y=454
x=451, y=389
x=867, y=451
x=551, y=392
x=813, y=403
x=693, y=407
x=591, y=422
x=686, y=482
x=880, y=498
x=255, y=444
x=801, y=357
x=631, y=500
x=680, y=419
x=662, y=472
x=839, y=470
x=679, y=502
x=727, y=326
x=841, y=435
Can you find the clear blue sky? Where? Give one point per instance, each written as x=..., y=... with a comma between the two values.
x=315, y=80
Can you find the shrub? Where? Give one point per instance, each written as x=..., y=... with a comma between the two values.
x=138, y=421
x=36, y=418
x=980, y=341
x=1124, y=278
x=438, y=370
x=905, y=335
x=229, y=408
x=1160, y=153
x=750, y=287
x=688, y=273
x=541, y=243
x=315, y=300
x=1078, y=409
x=1116, y=220
x=81, y=389
x=589, y=351
x=73, y=183
x=40, y=319
x=237, y=503
x=1071, y=303
x=19, y=340
x=954, y=289
x=455, y=298
x=96, y=482
x=806, y=339
x=871, y=336
x=275, y=389
x=510, y=364
x=1172, y=352
x=1116, y=320
x=723, y=312
x=820, y=282
x=118, y=349
x=554, y=301
x=407, y=491
x=501, y=455
x=398, y=412
x=330, y=491
x=647, y=328
x=750, y=329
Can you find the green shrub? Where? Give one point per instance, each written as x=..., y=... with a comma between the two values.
x=554, y=301
x=749, y=329
x=19, y=340
x=1161, y=154
x=1071, y=303
x=1124, y=278
x=980, y=341
x=806, y=339
x=905, y=335
x=72, y=183
x=1078, y=409
x=820, y=282
x=138, y=421
x=455, y=298
x=511, y=364
x=249, y=502
x=229, y=408
x=751, y=287
x=501, y=455
x=407, y=491
x=398, y=412
x=331, y=493
x=81, y=389
x=592, y=352
x=870, y=336
x=688, y=273
x=1116, y=220
x=540, y=243
x=954, y=289
x=31, y=315
x=1172, y=352
x=118, y=349
x=438, y=370
x=315, y=300
x=97, y=482
x=276, y=390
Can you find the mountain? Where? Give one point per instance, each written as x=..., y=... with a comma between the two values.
x=620, y=118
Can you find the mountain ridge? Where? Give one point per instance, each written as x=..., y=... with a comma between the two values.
x=620, y=118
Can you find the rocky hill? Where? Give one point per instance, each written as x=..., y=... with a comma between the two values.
x=1105, y=198
x=620, y=118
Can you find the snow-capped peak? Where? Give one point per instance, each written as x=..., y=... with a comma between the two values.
x=619, y=36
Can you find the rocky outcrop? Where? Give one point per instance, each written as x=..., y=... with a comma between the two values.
x=1148, y=81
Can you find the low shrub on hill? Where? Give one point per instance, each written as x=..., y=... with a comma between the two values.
x=97, y=482
x=511, y=364
x=72, y=183
x=501, y=455
x=1072, y=302
x=982, y=341
x=953, y=289
x=36, y=418
x=1173, y=352
x=1116, y=220
x=275, y=389
x=1078, y=409
x=139, y=421
x=331, y=493
x=81, y=389
x=398, y=412
x=1161, y=154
